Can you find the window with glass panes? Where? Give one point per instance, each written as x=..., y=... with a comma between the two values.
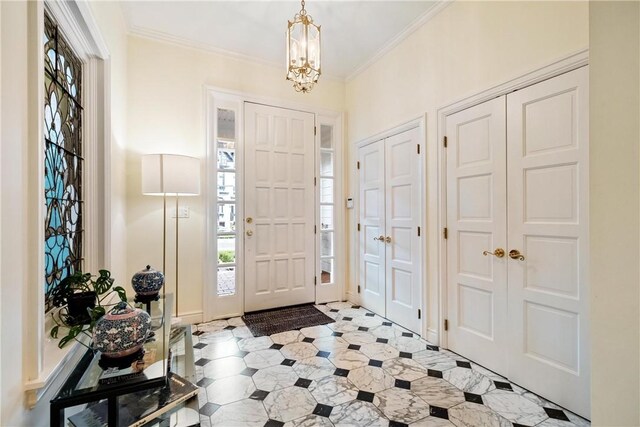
x=327, y=203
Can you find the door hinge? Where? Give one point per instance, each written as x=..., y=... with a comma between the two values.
x=445, y=233
x=418, y=145
x=418, y=231
x=358, y=288
x=315, y=280
x=445, y=142
x=358, y=226
x=446, y=324
x=419, y=314
x=315, y=130
x=315, y=181
x=315, y=229
x=358, y=164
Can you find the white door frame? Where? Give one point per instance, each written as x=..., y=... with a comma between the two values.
x=214, y=306
x=437, y=333
x=421, y=123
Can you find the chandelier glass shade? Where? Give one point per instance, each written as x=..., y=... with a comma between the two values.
x=303, y=51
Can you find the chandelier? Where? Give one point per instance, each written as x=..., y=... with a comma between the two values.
x=303, y=51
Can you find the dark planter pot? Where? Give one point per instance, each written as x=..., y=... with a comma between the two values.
x=78, y=304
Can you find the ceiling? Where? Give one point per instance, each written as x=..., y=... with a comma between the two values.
x=353, y=32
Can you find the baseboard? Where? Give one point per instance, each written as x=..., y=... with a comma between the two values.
x=432, y=336
x=191, y=317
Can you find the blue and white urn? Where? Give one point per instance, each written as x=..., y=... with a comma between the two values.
x=122, y=331
x=147, y=282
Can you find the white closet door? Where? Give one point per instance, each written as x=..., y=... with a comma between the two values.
x=402, y=195
x=372, y=223
x=279, y=207
x=476, y=221
x=548, y=145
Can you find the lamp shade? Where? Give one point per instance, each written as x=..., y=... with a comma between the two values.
x=170, y=174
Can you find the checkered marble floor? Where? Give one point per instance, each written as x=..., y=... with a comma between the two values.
x=361, y=370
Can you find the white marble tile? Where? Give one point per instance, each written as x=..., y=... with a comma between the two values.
x=216, y=337
x=401, y=405
x=514, y=407
x=387, y=332
x=404, y=369
x=310, y=421
x=343, y=326
x=322, y=307
x=246, y=412
x=371, y=379
x=220, y=349
x=213, y=326
x=339, y=305
x=434, y=360
x=353, y=312
x=255, y=344
x=316, y=331
x=314, y=368
x=236, y=321
x=289, y=403
x=379, y=351
x=437, y=392
x=242, y=332
x=408, y=344
x=468, y=380
x=333, y=391
x=330, y=344
x=469, y=414
x=230, y=389
x=348, y=359
x=432, y=422
x=275, y=377
x=299, y=350
x=487, y=373
x=359, y=337
x=225, y=367
x=358, y=413
x=287, y=337
x=368, y=322
x=263, y=358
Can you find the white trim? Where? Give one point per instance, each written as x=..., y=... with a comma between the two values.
x=215, y=97
x=417, y=122
x=560, y=66
x=428, y=15
x=80, y=28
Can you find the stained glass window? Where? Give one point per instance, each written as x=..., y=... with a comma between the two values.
x=62, y=158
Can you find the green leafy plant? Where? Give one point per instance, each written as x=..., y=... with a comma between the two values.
x=99, y=287
x=227, y=256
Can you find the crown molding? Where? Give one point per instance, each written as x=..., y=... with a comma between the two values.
x=206, y=47
x=429, y=14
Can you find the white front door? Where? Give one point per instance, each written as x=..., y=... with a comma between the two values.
x=476, y=222
x=402, y=219
x=279, y=207
x=548, y=187
x=372, y=227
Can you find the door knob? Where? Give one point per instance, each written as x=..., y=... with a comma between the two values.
x=387, y=239
x=249, y=220
x=515, y=254
x=381, y=238
x=498, y=253
x=249, y=233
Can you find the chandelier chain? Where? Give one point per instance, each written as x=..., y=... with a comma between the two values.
x=302, y=11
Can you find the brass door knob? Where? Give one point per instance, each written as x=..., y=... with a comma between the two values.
x=249, y=220
x=381, y=238
x=387, y=239
x=498, y=253
x=249, y=233
x=515, y=254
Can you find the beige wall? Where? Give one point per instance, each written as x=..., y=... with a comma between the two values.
x=614, y=212
x=166, y=114
x=467, y=48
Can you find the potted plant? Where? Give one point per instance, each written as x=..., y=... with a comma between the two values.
x=80, y=299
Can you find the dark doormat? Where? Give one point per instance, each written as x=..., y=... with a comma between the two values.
x=278, y=320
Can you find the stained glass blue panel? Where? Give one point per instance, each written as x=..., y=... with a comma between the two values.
x=63, y=159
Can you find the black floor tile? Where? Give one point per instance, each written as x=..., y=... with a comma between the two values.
x=209, y=408
x=303, y=383
x=474, y=398
x=438, y=412
x=288, y=362
x=341, y=372
x=365, y=396
x=557, y=414
x=259, y=395
x=403, y=384
x=323, y=410
x=376, y=363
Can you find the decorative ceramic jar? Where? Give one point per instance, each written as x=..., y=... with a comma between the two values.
x=122, y=331
x=147, y=282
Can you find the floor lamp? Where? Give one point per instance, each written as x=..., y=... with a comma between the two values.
x=170, y=175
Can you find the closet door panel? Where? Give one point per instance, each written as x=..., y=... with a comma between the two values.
x=402, y=195
x=476, y=221
x=548, y=224
x=372, y=226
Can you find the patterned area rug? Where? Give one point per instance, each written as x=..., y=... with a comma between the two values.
x=285, y=319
